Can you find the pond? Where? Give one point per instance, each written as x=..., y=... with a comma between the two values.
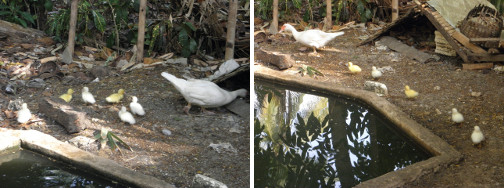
x=24, y=168
x=311, y=139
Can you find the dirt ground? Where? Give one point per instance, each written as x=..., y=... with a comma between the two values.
x=442, y=85
x=174, y=158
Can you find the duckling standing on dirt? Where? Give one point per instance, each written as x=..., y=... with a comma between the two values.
x=457, y=117
x=67, y=96
x=135, y=107
x=376, y=73
x=24, y=114
x=116, y=97
x=87, y=97
x=410, y=94
x=477, y=136
x=354, y=69
x=126, y=116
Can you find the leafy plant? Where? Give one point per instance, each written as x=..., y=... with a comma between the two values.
x=186, y=41
x=13, y=12
x=304, y=70
x=107, y=137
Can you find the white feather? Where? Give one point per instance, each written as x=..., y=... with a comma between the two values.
x=136, y=108
x=477, y=135
x=203, y=93
x=87, y=97
x=376, y=73
x=126, y=116
x=456, y=116
x=24, y=114
x=313, y=37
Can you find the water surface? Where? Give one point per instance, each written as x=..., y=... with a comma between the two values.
x=309, y=139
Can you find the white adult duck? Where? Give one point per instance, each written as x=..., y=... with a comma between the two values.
x=314, y=38
x=203, y=93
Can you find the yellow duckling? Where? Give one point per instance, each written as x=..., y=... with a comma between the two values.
x=67, y=96
x=410, y=94
x=354, y=69
x=116, y=97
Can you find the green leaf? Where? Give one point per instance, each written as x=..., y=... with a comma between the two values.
x=112, y=142
x=99, y=21
x=27, y=16
x=121, y=141
x=190, y=25
x=192, y=45
x=48, y=5
x=20, y=21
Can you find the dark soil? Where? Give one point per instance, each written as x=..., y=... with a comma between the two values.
x=442, y=85
x=175, y=158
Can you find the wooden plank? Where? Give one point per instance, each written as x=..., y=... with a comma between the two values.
x=477, y=66
x=465, y=41
x=484, y=39
x=486, y=57
x=428, y=13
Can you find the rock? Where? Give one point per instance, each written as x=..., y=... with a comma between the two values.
x=223, y=147
x=15, y=105
x=201, y=181
x=240, y=107
x=73, y=119
x=236, y=128
x=282, y=61
x=36, y=83
x=100, y=71
x=166, y=132
x=437, y=88
x=475, y=94
x=379, y=88
x=182, y=61
x=83, y=142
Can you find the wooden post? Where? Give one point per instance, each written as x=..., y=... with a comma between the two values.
x=73, y=24
x=395, y=9
x=231, y=29
x=274, y=24
x=141, y=31
x=328, y=19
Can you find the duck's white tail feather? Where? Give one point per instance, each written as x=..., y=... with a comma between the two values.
x=177, y=82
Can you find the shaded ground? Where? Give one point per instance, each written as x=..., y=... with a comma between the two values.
x=442, y=86
x=175, y=158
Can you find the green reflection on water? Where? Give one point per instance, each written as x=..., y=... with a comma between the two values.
x=305, y=140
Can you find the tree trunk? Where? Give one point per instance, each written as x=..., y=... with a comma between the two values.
x=141, y=31
x=395, y=9
x=231, y=29
x=274, y=24
x=73, y=24
x=328, y=19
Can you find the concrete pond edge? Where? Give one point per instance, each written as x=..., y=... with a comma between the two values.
x=49, y=146
x=443, y=153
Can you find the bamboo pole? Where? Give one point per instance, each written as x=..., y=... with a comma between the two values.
x=231, y=29
x=395, y=9
x=141, y=32
x=274, y=24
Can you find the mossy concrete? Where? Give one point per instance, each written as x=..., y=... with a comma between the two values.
x=443, y=153
x=49, y=146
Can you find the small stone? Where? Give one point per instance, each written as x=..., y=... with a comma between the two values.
x=166, y=132
x=82, y=142
x=437, y=88
x=235, y=129
x=223, y=147
x=36, y=83
x=438, y=112
x=475, y=94
x=201, y=181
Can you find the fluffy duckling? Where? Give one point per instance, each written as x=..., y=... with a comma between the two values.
x=24, y=114
x=116, y=97
x=410, y=94
x=87, y=97
x=135, y=107
x=67, y=96
x=477, y=136
x=376, y=73
x=126, y=116
x=456, y=116
x=354, y=69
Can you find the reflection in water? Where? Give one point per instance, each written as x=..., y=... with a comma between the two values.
x=304, y=140
x=28, y=169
